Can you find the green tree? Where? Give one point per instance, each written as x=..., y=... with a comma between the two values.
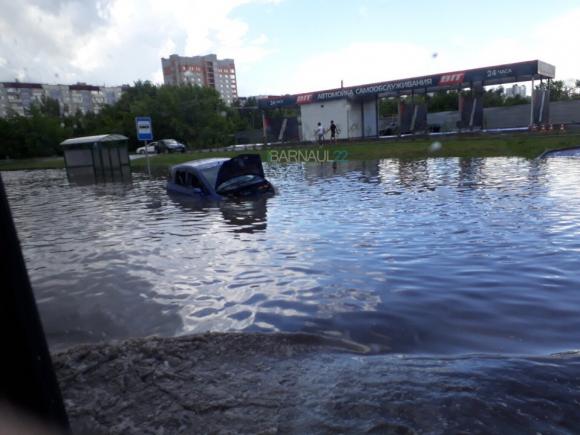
x=442, y=101
x=191, y=114
x=559, y=91
x=49, y=107
x=494, y=97
x=36, y=135
x=388, y=107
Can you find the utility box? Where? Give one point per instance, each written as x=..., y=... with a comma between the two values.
x=97, y=158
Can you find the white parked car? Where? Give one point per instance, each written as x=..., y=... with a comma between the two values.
x=150, y=149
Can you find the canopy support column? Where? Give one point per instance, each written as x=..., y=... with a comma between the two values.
x=532, y=106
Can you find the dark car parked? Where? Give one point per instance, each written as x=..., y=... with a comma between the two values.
x=169, y=146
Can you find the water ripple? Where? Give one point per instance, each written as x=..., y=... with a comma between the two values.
x=432, y=256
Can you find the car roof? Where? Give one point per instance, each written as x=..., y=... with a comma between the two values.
x=202, y=163
x=93, y=139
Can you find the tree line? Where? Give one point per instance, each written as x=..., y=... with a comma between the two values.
x=193, y=115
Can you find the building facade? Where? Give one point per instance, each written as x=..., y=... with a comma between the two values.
x=18, y=98
x=208, y=71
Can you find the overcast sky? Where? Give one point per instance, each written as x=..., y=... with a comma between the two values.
x=281, y=46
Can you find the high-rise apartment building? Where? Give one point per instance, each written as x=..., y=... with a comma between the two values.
x=208, y=70
x=515, y=90
x=18, y=97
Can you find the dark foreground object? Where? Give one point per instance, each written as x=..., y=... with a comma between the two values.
x=279, y=383
x=27, y=380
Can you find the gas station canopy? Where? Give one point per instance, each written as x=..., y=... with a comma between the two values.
x=478, y=77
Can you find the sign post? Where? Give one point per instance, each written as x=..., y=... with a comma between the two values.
x=144, y=133
x=264, y=128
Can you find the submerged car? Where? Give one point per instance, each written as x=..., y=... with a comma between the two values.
x=217, y=178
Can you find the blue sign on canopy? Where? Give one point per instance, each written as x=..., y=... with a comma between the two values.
x=144, y=128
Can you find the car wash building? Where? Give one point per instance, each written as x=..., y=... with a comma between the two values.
x=355, y=109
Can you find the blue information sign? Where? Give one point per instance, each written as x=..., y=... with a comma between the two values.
x=144, y=128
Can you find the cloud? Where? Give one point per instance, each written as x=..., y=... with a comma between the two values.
x=371, y=61
x=359, y=63
x=556, y=41
x=121, y=41
x=118, y=41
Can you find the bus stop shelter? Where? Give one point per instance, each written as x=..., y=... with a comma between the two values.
x=97, y=158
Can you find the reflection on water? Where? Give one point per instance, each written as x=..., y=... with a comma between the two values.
x=245, y=216
x=425, y=256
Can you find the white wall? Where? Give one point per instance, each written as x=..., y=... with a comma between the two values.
x=354, y=121
x=312, y=114
x=370, y=118
x=345, y=114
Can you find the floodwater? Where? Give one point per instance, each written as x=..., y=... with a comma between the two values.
x=437, y=256
x=456, y=281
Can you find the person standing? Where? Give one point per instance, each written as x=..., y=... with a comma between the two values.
x=332, y=132
x=320, y=133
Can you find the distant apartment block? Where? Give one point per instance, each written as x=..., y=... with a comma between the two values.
x=208, y=70
x=515, y=90
x=17, y=97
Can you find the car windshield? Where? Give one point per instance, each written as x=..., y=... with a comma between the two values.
x=238, y=182
x=210, y=173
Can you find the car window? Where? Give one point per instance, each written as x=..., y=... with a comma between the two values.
x=180, y=178
x=193, y=181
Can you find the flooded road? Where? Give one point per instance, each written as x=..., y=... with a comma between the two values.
x=441, y=256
